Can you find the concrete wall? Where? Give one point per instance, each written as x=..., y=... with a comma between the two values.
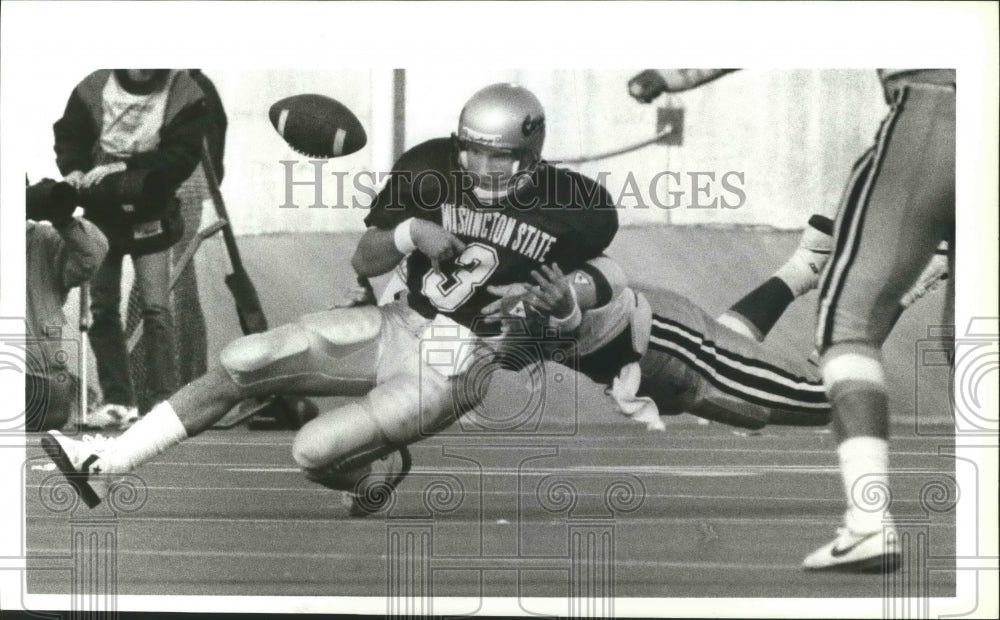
x=791, y=136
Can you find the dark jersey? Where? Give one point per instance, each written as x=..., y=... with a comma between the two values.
x=556, y=216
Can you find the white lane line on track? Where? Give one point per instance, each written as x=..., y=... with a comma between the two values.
x=603, y=439
x=492, y=562
x=668, y=470
x=652, y=469
x=340, y=520
x=729, y=469
x=403, y=491
x=647, y=469
x=573, y=449
x=574, y=443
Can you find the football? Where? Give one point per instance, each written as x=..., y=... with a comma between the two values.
x=318, y=126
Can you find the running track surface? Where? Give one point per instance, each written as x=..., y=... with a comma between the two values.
x=722, y=512
x=704, y=511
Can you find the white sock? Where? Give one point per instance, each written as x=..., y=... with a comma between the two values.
x=801, y=271
x=150, y=436
x=864, y=468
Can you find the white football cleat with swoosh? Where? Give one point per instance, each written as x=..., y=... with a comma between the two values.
x=852, y=552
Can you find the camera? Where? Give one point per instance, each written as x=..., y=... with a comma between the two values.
x=50, y=200
x=521, y=383
x=143, y=192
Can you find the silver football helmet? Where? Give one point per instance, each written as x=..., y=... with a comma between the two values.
x=499, y=141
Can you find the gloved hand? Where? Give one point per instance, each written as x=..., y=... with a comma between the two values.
x=647, y=86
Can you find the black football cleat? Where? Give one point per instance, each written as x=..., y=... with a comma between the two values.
x=373, y=492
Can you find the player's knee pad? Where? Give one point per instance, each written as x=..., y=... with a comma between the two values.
x=320, y=348
x=850, y=367
x=344, y=327
x=256, y=358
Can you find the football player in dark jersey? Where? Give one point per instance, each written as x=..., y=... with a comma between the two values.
x=478, y=209
x=671, y=359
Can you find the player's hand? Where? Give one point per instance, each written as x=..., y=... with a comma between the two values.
x=647, y=86
x=97, y=174
x=435, y=242
x=931, y=279
x=510, y=296
x=74, y=178
x=553, y=295
x=356, y=297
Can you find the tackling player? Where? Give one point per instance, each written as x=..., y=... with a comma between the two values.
x=470, y=211
x=678, y=359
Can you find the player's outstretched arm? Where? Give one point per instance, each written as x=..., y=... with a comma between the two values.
x=381, y=250
x=376, y=253
x=651, y=83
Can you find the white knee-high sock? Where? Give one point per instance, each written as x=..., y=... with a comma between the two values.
x=864, y=468
x=153, y=434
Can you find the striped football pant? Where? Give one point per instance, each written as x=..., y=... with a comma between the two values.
x=898, y=205
x=696, y=365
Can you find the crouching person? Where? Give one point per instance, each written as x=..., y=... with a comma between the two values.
x=62, y=252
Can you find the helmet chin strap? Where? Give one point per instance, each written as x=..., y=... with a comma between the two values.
x=493, y=195
x=489, y=196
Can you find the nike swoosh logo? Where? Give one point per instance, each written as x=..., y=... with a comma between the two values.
x=85, y=467
x=835, y=552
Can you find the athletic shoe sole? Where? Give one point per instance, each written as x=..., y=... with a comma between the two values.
x=880, y=564
x=76, y=479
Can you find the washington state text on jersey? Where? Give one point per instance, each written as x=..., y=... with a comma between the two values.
x=499, y=229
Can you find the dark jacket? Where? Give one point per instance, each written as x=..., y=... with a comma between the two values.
x=78, y=147
x=217, y=121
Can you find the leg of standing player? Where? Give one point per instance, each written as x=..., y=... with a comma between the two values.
x=152, y=276
x=899, y=204
x=756, y=313
x=106, y=337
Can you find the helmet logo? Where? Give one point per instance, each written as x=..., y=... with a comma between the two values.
x=468, y=133
x=532, y=124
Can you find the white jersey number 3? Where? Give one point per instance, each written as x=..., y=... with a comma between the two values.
x=476, y=264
